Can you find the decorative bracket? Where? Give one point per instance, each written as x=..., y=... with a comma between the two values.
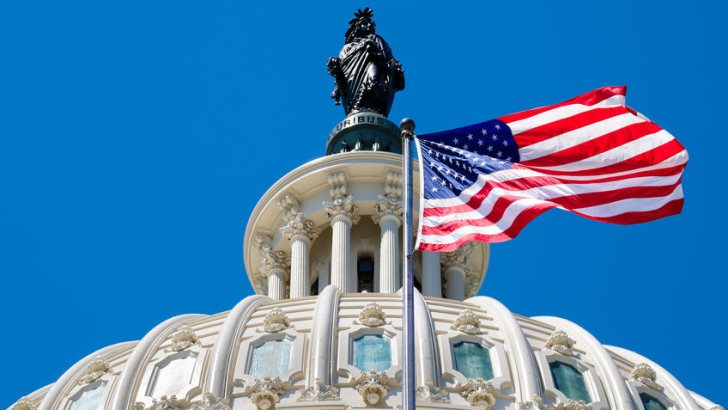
x=319, y=392
x=429, y=393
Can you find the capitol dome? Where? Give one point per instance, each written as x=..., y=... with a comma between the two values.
x=324, y=330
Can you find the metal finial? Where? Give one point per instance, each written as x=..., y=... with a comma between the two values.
x=407, y=125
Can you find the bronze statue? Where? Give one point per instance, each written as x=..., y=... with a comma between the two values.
x=366, y=74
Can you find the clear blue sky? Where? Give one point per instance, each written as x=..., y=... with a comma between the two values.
x=137, y=136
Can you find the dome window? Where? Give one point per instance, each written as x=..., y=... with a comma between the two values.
x=271, y=359
x=365, y=274
x=570, y=381
x=90, y=398
x=372, y=352
x=651, y=403
x=472, y=360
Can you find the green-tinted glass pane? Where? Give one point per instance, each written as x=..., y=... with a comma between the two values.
x=472, y=360
x=372, y=352
x=569, y=381
x=651, y=403
x=90, y=399
x=271, y=359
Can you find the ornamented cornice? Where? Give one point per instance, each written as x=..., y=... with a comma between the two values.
x=342, y=204
x=646, y=375
x=467, y=322
x=373, y=386
x=429, y=393
x=389, y=204
x=535, y=404
x=275, y=321
x=182, y=339
x=457, y=259
x=372, y=315
x=208, y=402
x=298, y=225
x=560, y=342
x=95, y=370
x=319, y=392
x=24, y=404
x=478, y=393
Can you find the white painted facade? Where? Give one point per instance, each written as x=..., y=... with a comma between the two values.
x=285, y=348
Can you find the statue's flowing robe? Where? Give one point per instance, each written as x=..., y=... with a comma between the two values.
x=369, y=75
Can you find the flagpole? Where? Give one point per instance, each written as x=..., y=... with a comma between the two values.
x=407, y=128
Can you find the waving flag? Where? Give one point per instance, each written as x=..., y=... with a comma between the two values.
x=590, y=155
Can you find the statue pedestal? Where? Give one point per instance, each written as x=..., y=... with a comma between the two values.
x=364, y=131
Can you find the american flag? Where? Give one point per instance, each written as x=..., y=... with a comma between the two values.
x=591, y=155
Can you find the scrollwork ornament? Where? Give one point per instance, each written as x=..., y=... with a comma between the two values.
x=478, y=393
x=372, y=316
x=319, y=392
x=95, y=370
x=467, y=322
x=265, y=393
x=373, y=387
x=646, y=375
x=183, y=339
x=560, y=342
x=428, y=393
x=275, y=321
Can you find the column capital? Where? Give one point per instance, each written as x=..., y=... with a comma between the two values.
x=271, y=260
x=299, y=226
x=341, y=204
x=458, y=259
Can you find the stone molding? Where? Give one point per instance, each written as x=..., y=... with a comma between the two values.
x=208, y=402
x=319, y=392
x=183, y=339
x=372, y=315
x=478, y=393
x=645, y=374
x=95, y=370
x=373, y=386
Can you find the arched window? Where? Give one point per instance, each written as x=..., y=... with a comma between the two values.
x=372, y=352
x=365, y=274
x=270, y=359
x=651, y=403
x=89, y=398
x=570, y=381
x=472, y=360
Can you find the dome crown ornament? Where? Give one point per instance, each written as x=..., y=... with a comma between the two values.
x=560, y=342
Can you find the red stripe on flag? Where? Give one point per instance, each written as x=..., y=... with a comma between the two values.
x=596, y=146
x=590, y=98
x=564, y=125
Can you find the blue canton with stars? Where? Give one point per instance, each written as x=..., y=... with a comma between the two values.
x=452, y=160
